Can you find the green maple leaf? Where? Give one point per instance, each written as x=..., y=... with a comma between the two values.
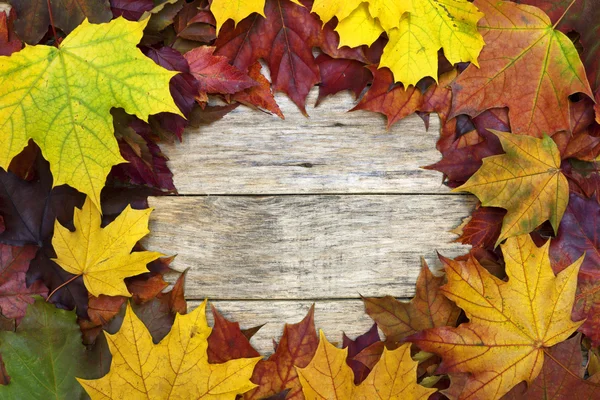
x=45, y=354
x=61, y=98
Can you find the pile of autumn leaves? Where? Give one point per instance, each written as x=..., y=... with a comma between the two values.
x=72, y=212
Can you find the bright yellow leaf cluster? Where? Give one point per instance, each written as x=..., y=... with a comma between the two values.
x=175, y=368
x=394, y=377
x=416, y=29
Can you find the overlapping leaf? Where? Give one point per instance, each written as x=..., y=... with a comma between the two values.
x=510, y=323
x=14, y=293
x=34, y=15
x=416, y=29
x=561, y=377
x=66, y=94
x=278, y=373
x=175, y=368
x=284, y=38
x=328, y=377
x=428, y=309
x=44, y=356
x=526, y=181
x=533, y=77
x=103, y=255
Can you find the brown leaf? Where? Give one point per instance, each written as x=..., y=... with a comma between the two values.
x=537, y=96
x=259, y=96
x=429, y=308
x=393, y=101
x=483, y=229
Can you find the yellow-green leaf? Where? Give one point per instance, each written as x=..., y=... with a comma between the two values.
x=61, y=98
x=526, y=181
x=103, y=255
x=177, y=368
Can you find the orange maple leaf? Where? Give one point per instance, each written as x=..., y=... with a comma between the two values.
x=511, y=323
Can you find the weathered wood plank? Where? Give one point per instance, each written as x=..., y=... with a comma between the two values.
x=334, y=317
x=333, y=151
x=305, y=247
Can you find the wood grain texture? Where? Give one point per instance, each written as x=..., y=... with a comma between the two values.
x=334, y=317
x=305, y=247
x=333, y=151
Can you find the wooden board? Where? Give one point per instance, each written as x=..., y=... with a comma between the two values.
x=275, y=215
x=333, y=151
x=305, y=247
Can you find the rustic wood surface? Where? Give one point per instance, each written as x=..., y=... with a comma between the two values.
x=275, y=215
x=332, y=151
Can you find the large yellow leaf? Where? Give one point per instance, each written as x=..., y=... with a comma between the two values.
x=510, y=323
x=61, y=98
x=103, y=255
x=411, y=53
x=358, y=28
x=387, y=12
x=175, y=368
x=526, y=181
x=329, y=377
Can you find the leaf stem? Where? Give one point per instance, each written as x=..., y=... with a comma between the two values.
x=52, y=22
x=62, y=285
x=563, y=14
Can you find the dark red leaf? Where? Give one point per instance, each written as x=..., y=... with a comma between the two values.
x=14, y=294
x=130, y=9
x=341, y=74
x=393, y=101
x=214, y=74
x=284, y=39
x=33, y=16
x=259, y=96
x=355, y=347
x=483, y=228
x=227, y=342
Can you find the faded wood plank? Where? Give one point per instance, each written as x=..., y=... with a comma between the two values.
x=305, y=247
x=333, y=316
x=333, y=151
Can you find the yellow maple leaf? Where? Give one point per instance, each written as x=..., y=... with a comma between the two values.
x=510, y=323
x=327, y=9
x=358, y=28
x=386, y=12
x=394, y=377
x=451, y=25
x=103, y=255
x=61, y=98
x=526, y=181
x=175, y=368
x=237, y=10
